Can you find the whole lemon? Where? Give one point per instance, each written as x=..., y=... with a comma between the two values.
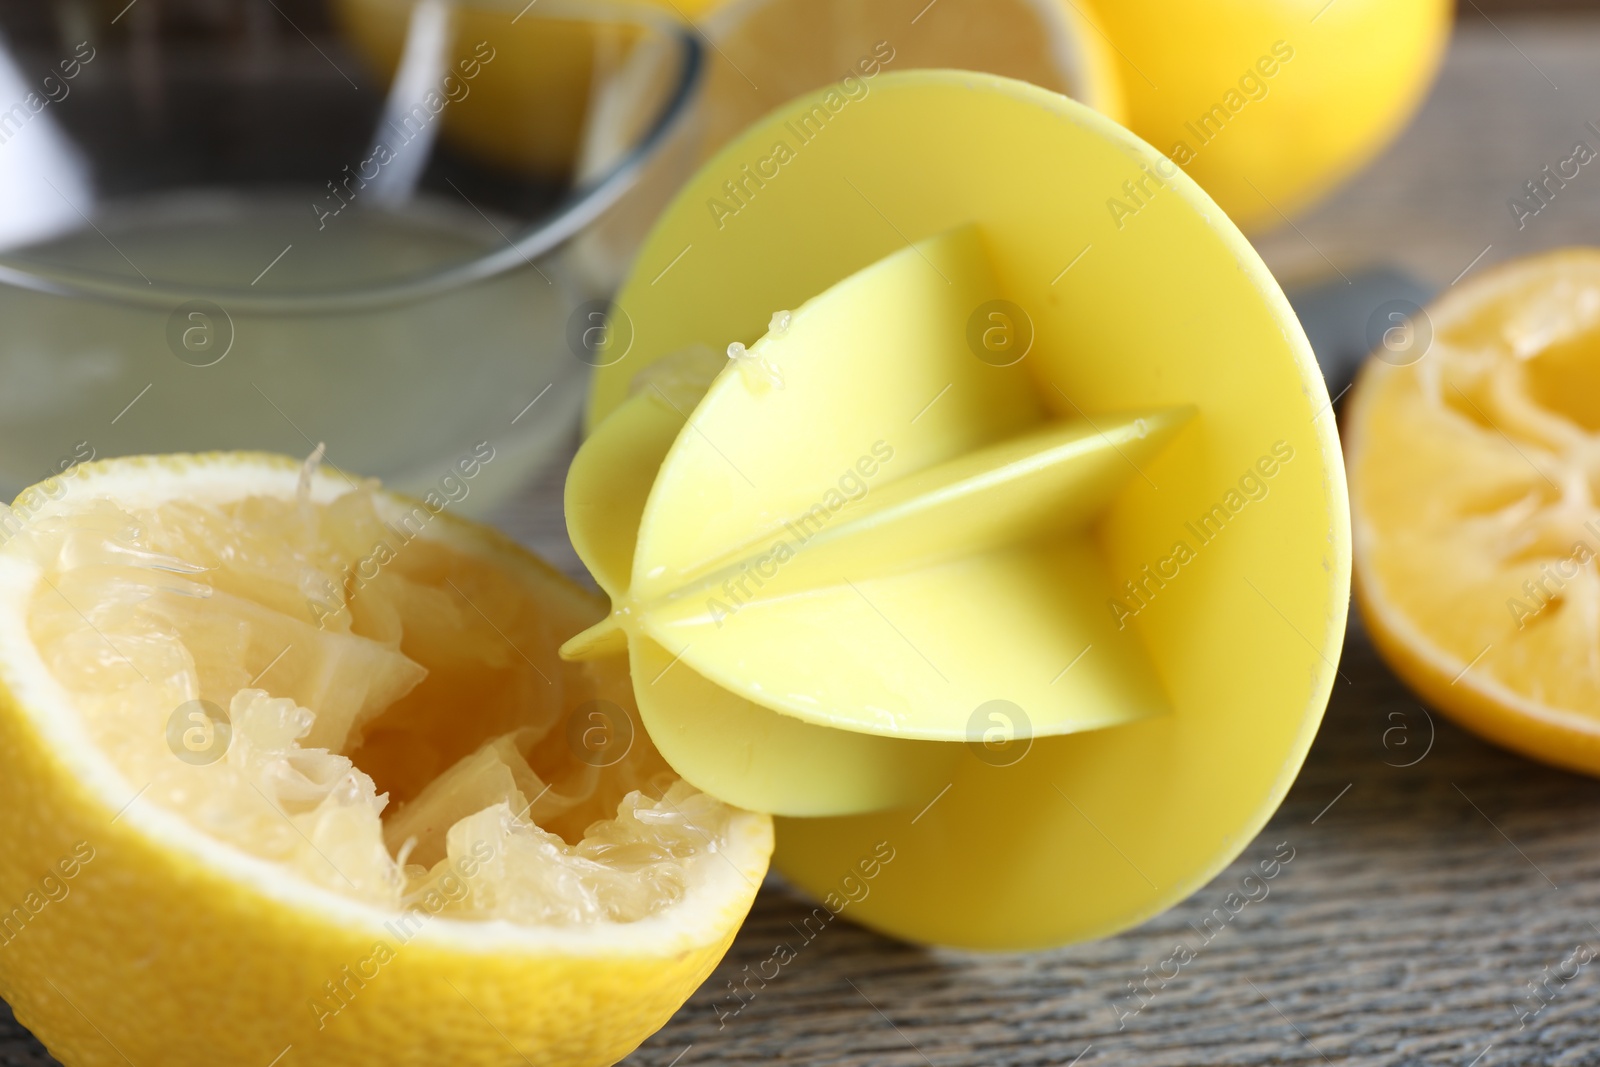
x=1271, y=104
x=521, y=85
x=567, y=95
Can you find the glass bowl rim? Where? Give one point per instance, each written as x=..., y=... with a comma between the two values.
x=576, y=212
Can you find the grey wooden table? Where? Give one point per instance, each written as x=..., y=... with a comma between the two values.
x=1434, y=877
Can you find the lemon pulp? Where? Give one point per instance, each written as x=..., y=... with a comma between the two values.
x=381, y=715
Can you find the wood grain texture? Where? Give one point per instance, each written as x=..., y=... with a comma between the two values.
x=1421, y=899
x=1419, y=903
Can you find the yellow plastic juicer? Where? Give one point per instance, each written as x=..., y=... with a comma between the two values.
x=959, y=517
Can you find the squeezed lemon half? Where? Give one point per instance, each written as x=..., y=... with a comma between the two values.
x=339, y=798
x=1472, y=447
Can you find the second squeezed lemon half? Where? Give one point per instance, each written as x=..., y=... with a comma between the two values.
x=1472, y=464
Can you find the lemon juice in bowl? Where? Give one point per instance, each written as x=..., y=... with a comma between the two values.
x=218, y=235
x=247, y=343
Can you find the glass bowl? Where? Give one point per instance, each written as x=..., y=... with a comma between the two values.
x=274, y=224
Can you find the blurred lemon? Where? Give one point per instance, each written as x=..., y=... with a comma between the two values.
x=1472, y=441
x=1270, y=104
x=522, y=82
x=531, y=112
x=764, y=53
x=562, y=99
x=770, y=51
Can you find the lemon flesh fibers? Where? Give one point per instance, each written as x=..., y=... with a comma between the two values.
x=1224, y=543
x=328, y=765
